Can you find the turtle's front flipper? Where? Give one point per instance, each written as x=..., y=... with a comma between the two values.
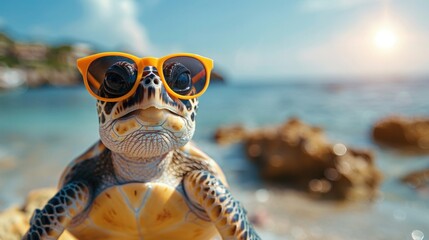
x=208, y=193
x=50, y=222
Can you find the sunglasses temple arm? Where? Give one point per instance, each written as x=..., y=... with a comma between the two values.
x=92, y=80
x=199, y=75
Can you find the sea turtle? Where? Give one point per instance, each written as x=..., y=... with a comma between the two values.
x=143, y=179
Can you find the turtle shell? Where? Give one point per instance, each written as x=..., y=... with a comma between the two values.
x=141, y=211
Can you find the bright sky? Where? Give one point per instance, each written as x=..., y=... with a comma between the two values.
x=247, y=39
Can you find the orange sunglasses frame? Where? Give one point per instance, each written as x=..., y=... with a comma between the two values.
x=84, y=63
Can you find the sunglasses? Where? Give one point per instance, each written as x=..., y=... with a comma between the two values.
x=115, y=76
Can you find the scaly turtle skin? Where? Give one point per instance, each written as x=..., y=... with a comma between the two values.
x=143, y=180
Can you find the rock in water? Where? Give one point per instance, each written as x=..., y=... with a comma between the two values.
x=410, y=134
x=230, y=134
x=300, y=154
x=417, y=179
x=14, y=222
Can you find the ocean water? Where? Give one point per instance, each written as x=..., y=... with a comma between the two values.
x=42, y=130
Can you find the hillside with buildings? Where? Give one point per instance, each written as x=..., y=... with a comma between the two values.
x=38, y=64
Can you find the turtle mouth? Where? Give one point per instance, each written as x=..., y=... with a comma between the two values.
x=151, y=114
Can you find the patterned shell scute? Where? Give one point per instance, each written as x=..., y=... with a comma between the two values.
x=142, y=211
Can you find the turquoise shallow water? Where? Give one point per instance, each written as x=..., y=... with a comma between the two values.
x=42, y=130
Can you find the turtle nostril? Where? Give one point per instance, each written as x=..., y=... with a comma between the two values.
x=147, y=81
x=156, y=81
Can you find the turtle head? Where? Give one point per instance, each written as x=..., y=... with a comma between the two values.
x=149, y=123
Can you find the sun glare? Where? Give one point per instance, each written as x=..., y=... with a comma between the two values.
x=385, y=39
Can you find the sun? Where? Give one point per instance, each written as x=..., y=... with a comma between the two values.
x=385, y=39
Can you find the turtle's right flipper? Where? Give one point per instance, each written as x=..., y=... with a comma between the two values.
x=50, y=222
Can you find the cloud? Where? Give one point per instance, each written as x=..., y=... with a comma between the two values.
x=329, y=5
x=113, y=25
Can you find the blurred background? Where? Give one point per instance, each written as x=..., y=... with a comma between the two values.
x=318, y=110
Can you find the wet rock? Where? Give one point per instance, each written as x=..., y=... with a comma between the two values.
x=269, y=147
x=14, y=222
x=230, y=134
x=417, y=179
x=410, y=134
x=301, y=155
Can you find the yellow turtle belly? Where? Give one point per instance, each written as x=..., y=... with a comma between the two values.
x=142, y=211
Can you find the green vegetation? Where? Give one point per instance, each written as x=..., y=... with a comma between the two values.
x=5, y=38
x=9, y=61
x=58, y=57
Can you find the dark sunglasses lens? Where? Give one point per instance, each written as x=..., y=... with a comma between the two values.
x=112, y=76
x=185, y=75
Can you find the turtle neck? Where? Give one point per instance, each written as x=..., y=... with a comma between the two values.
x=129, y=169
